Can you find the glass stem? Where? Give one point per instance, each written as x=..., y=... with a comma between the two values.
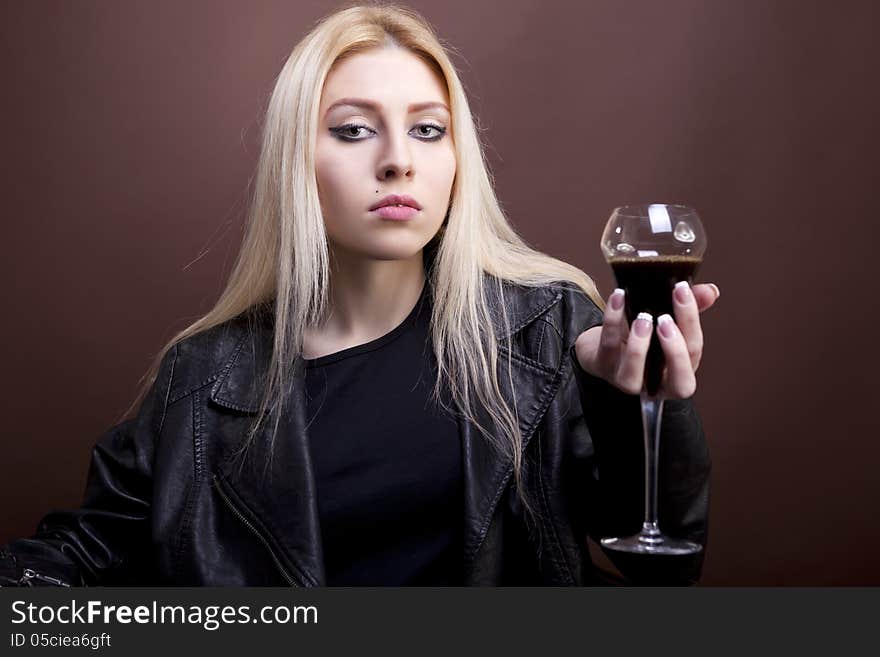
x=652, y=410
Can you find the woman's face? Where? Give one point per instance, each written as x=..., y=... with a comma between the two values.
x=384, y=128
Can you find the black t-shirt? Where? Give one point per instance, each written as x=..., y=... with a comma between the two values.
x=387, y=462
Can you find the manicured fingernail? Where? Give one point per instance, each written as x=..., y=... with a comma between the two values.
x=643, y=325
x=683, y=292
x=616, y=299
x=666, y=326
x=717, y=291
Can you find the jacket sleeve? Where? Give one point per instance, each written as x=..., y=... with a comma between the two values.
x=606, y=459
x=615, y=463
x=107, y=540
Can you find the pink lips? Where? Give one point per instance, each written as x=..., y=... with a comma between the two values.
x=398, y=207
x=396, y=212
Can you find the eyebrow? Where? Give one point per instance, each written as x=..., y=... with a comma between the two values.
x=370, y=105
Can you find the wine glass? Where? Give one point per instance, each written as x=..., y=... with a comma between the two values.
x=651, y=248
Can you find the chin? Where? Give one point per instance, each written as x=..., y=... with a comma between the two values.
x=396, y=250
x=388, y=246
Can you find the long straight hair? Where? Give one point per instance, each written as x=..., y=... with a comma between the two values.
x=283, y=263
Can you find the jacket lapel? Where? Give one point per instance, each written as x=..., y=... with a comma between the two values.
x=277, y=495
x=487, y=472
x=272, y=485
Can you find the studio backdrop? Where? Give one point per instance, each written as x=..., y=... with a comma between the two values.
x=131, y=132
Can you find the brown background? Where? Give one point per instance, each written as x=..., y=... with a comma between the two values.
x=131, y=131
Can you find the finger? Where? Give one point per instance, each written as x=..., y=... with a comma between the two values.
x=586, y=347
x=631, y=367
x=687, y=317
x=681, y=381
x=614, y=334
x=706, y=295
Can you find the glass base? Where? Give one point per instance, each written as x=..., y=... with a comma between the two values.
x=651, y=543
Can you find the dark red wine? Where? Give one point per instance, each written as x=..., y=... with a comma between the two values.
x=648, y=283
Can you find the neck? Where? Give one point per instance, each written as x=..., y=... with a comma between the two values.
x=369, y=297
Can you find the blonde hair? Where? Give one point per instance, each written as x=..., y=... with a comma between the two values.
x=284, y=255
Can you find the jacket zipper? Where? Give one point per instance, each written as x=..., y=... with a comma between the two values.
x=247, y=523
x=30, y=574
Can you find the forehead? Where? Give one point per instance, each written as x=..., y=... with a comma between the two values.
x=390, y=76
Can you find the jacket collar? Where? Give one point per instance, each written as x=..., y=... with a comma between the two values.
x=265, y=486
x=239, y=382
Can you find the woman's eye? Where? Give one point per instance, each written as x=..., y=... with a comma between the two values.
x=424, y=131
x=350, y=131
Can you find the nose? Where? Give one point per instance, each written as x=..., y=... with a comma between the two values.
x=395, y=159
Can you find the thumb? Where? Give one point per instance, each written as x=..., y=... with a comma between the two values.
x=586, y=348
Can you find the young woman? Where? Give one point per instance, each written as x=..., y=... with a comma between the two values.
x=393, y=388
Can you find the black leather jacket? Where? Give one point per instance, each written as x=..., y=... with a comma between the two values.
x=168, y=503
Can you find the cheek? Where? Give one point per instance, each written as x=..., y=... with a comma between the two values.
x=433, y=162
x=444, y=172
x=446, y=162
x=326, y=170
x=333, y=175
